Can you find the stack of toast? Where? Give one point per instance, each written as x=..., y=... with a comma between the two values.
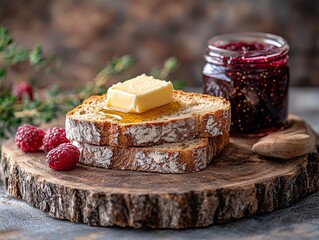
x=180, y=137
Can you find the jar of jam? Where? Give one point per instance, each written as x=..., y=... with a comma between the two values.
x=251, y=71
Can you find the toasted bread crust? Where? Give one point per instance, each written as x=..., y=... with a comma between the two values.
x=188, y=126
x=161, y=159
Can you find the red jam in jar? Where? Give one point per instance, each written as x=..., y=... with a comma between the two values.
x=252, y=72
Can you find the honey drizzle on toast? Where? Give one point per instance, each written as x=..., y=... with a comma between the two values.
x=149, y=115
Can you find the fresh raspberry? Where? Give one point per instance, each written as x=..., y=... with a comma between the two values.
x=53, y=138
x=63, y=157
x=21, y=90
x=29, y=138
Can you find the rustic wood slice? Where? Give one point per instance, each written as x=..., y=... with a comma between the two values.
x=238, y=183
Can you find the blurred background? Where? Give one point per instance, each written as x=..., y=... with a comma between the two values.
x=85, y=35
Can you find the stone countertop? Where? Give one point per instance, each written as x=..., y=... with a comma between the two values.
x=18, y=220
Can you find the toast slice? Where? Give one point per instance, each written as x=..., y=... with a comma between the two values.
x=189, y=116
x=185, y=157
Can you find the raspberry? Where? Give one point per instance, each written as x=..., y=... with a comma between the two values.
x=21, y=90
x=29, y=138
x=53, y=138
x=63, y=157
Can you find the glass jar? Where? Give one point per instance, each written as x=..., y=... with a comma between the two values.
x=251, y=71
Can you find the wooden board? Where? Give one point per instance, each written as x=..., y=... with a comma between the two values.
x=238, y=183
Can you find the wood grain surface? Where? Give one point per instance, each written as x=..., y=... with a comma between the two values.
x=237, y=184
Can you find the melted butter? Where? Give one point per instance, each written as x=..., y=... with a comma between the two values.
x=149, y=115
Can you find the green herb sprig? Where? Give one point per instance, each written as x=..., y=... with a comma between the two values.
x=170, y=65
x=12, y=54
x=12, y=112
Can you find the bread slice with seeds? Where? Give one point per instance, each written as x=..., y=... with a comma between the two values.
x=189, y=116
x=184, y=157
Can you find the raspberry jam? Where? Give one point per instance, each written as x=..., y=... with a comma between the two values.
x=252, y=72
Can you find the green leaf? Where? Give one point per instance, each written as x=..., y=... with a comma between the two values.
x=3, y=73
x=121, y=64
x=156, y=73
x=36, y=57
x=6, y=107
x=127, y=61
x=8, y=122
x=5, y=39
x=53, y=91
x=178, y=84
x=171, y=64
x=14, y=55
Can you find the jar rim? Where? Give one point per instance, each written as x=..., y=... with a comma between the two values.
x=280, y=45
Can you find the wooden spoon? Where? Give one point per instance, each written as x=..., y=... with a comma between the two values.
x=296, y=140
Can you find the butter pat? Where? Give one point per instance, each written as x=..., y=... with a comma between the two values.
x=139, y=94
